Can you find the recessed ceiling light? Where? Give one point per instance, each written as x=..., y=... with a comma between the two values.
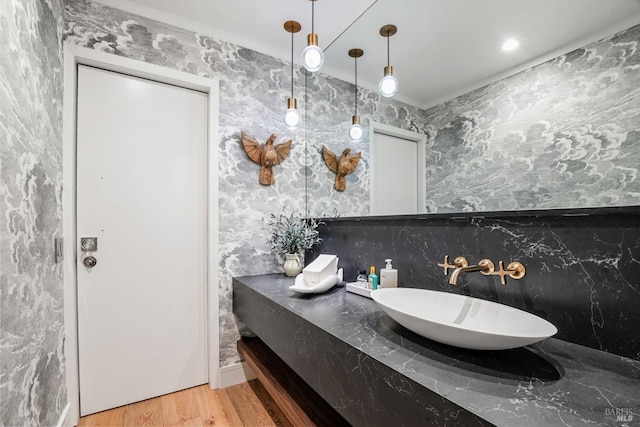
x=510, y=45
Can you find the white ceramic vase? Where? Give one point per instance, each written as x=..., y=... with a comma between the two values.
x=292, y=265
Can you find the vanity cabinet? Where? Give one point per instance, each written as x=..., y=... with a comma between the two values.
x=376, y=373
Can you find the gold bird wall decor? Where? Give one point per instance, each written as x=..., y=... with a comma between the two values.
x=342, y=166
x=267, y=157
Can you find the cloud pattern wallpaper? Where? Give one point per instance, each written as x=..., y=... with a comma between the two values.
x=565, y=133
x=562, y=134
x=253, y=91
x=32, y=374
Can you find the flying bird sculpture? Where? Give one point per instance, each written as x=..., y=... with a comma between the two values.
x=267, y=157
x=342, y=166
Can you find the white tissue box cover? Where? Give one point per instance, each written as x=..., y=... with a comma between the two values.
x=301, y=287
x=320, y=268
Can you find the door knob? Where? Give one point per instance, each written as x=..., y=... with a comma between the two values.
x=90, y=261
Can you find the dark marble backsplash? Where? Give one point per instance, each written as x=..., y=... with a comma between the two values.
x=582, y=266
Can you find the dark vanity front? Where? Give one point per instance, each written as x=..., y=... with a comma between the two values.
x=376, y=373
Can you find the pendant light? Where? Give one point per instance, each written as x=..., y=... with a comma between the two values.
x=356, y=131
x=291, y=116
x=312, y=55
x=388, y=84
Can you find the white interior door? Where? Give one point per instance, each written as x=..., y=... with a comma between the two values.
x=141, y=190
x=397, y=172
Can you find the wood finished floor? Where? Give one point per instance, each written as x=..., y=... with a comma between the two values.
x=247, y=404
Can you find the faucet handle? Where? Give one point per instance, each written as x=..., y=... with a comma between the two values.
x=515, y=270
x=489, y=266
x=457, y=263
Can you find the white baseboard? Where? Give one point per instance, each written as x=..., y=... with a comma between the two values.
x=235, y=374
x=65, y=420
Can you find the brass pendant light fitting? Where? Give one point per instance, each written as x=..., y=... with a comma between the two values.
x=312, y=55
x=292, y=26
x=389, y=84
x=356, y=131
x=291, y=116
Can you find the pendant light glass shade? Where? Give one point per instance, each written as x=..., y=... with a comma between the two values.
x=291, y=116
x=388, y=85
x=356, y=131
x=312, y=55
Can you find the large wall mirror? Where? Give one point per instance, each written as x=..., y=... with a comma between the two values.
x=552, y=124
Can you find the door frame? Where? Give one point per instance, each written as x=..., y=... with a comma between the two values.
x=74, y=55
x=419, y=138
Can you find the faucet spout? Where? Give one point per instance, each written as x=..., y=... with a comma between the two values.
x=485, y=266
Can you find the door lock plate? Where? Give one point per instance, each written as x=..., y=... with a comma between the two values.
x=89, y=244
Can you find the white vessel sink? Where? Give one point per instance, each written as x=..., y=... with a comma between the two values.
x=462, y=321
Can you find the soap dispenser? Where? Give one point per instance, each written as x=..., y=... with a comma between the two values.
x=388, y=276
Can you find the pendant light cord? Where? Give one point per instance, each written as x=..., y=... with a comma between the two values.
x=292, y=61
x=387, y=48
x=313, y=3
x=306, y=151
x=356, y=91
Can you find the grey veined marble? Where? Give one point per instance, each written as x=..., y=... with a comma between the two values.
x=582, y=266
x=32, y=381
x=377, y=373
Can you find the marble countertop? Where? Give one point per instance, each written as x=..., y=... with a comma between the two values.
x=550, y=383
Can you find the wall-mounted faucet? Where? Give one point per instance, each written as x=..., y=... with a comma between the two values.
x=485, y=266
x=515, y=270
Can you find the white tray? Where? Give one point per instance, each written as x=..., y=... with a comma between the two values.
x=359, y=289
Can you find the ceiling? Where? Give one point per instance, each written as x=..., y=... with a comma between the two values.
x=443, y=48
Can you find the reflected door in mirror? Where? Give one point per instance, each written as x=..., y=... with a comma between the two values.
x=397, y=162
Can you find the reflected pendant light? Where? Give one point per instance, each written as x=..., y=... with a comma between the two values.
x=291, y=116
x=356, y=131
x=388, y=84
x=312, y=55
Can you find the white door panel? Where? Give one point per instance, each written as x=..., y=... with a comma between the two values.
x=395, y=175
x=141, y=190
